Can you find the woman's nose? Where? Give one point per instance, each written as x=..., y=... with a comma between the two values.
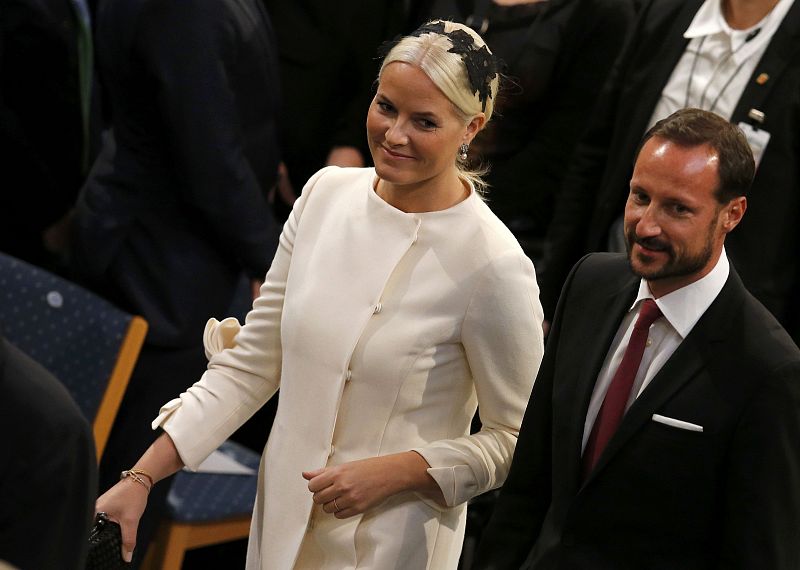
x=396, y=134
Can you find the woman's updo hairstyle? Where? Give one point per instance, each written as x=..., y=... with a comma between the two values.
x=459, y=63
x=437, y=55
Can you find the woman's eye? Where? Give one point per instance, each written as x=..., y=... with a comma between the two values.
x=385, y=107
x=426, y=124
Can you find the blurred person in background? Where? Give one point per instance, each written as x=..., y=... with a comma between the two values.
x=48, y=470
x=49, y=124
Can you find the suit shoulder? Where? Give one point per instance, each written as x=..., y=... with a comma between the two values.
x=767, y=341
x=610, y=268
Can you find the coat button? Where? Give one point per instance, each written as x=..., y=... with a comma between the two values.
x=333, y=450
x=377, y=309
x=348, y=375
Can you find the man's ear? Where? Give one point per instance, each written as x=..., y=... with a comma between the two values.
x=733, y=214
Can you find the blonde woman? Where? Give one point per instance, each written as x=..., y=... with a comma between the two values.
x=396, y=304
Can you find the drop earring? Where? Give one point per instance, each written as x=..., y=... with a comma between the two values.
x=462, y=151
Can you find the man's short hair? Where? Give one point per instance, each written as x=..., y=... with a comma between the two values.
x=695, y=127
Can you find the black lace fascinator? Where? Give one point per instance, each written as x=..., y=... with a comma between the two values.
x=478, y=61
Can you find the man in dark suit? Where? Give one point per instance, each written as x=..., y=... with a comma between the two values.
x=48, y=474
x=48, y=120
x=175, y=210
x=669, y=444
x=764, y=249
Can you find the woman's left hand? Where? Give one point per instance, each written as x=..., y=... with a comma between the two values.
x=353, y=488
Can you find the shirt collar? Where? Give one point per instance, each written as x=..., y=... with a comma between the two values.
x=684, y=307
x=709, y=21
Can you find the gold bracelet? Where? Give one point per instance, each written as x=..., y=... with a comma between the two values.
x=132, y=473
x=144, y=473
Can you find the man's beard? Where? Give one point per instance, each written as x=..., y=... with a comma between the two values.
x=674, y=266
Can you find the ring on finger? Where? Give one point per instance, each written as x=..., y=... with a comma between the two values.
x=336, y=507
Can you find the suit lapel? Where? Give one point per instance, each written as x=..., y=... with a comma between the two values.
x=617, y=304
x=781, y=50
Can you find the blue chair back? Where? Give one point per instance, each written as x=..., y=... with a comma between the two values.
x=72, y=332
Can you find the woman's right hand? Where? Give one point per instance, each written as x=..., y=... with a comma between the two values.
x=124, y=504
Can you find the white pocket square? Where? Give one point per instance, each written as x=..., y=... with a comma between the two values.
x=680, y=424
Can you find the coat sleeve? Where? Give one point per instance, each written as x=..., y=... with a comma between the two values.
x=246, y=373
x=503, y=342
x=526, y=495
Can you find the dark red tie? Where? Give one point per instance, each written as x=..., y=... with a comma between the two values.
x=619, y=391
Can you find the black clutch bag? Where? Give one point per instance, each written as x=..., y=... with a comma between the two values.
x=105, y=545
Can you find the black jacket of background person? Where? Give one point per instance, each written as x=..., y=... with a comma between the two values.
x=48, y=470
x=41, y=138
x=659, y=498
x=764, y=248
x=329, y=62
x=175, y=208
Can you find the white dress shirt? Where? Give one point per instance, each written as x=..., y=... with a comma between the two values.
x=717, y=62
x=681, y=310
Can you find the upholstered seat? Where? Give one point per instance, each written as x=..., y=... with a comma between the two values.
x=202, y=497
x=205, y=509
x=87, y=343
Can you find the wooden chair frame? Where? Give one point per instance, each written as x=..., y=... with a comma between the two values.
x=118, y=382
x=175, y=538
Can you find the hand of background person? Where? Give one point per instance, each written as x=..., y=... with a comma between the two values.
x=361, y=485
x=345, y=156
x=283, y=189
x=255, y=288
x=124, y=504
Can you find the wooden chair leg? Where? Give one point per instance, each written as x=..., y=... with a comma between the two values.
x=169, y=548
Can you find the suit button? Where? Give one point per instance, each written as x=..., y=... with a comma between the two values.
x=333, y=450
x=348, y=375
x=568, y=540
x=377, y=309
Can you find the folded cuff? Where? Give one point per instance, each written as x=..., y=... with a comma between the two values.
x=219, y=335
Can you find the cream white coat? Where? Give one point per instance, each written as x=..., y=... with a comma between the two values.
x=383, y=330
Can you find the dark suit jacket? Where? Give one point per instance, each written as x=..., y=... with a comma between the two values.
x=48, y=474
x=174, y=208
x=660, y=497
x=328, y=63
x=764, y=247
x=41, y=137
